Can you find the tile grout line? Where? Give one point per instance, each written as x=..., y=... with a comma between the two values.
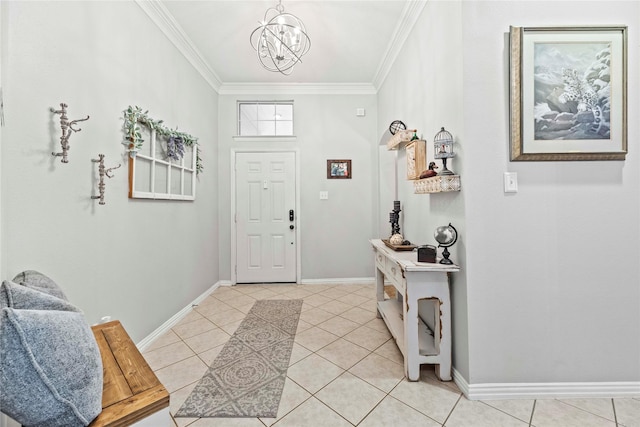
x=615, y=415
x=416, y=409
x=333, y=380
x=311, y=395
x=533, y=410
x=452, y=409
x=594, y=413
x=333, y=410
x=377, y=404
x=504, y=412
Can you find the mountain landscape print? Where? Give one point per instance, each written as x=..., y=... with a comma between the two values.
x=572, y=91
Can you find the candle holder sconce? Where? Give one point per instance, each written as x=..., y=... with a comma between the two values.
x=67, y=129
x=102, y=172
x=394, y=218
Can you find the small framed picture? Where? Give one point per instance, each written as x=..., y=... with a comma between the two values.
x=338, y=169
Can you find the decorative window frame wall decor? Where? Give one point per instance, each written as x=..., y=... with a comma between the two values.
x=568, y=93
x=339, y=169
x=167, y=167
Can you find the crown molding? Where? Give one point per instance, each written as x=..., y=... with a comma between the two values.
x=163, y=19
x=296, y=89
x=408, y=19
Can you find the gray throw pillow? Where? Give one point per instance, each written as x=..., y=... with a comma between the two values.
x=22, y=297
x=36, y=280
x=50, y=368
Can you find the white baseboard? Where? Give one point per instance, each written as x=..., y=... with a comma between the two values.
x=461, y=382
x=341, y=281
x=149, y=339
x=503, y=391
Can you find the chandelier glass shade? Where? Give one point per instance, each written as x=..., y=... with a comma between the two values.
x=280, y=41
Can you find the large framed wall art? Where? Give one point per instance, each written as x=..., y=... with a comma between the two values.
x=568, y=93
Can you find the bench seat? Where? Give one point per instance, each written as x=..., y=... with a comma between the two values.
x=131, y=391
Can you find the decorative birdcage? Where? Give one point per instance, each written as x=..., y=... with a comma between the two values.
x=443, y=149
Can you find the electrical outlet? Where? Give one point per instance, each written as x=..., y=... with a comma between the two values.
x=324, y=195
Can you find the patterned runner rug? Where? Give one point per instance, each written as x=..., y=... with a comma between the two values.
x=247, y=377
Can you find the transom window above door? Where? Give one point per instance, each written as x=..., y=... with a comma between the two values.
x=265, y=118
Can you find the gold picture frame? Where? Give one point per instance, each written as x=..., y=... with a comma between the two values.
x=568, y=93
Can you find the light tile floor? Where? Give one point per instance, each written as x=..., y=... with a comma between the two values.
x=346, y=370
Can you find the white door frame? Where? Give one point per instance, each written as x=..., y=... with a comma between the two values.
x=232, y=193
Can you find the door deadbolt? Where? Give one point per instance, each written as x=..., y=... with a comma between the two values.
x=291, y=215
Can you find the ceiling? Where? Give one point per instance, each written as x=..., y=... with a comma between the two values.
x=353, y=43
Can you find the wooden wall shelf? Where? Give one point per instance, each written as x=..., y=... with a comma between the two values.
x=400, y=137
x=437, y=184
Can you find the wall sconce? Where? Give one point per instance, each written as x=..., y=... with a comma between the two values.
x=67, y=128
x=443, y=147
x=102, y=172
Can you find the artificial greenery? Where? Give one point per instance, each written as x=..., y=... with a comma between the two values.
x=176, y=141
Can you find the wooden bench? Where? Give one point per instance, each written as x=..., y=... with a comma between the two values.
x=131, y=391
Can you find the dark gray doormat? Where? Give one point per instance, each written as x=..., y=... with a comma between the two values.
x=247, y=377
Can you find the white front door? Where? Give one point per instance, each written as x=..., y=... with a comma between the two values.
x=266, y=217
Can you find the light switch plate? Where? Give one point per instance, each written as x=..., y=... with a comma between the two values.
x=510, y=182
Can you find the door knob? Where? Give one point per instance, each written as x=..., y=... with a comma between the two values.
x=291, y=227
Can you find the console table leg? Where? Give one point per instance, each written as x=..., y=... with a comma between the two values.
x=411, y=363
x=443, y=370
x=379, y=289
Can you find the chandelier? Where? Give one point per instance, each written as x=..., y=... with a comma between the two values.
x=280, y=41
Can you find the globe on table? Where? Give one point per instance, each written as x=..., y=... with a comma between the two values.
x=446, y=236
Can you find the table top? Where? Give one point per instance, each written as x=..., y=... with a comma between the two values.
x=408, y=260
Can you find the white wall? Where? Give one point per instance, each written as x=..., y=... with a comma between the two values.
x=549, y=292
x=137, y=261
x=334, y=232
x=424, y=90
x=555, y=295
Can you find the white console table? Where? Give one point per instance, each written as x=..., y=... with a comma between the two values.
x=415, y=281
